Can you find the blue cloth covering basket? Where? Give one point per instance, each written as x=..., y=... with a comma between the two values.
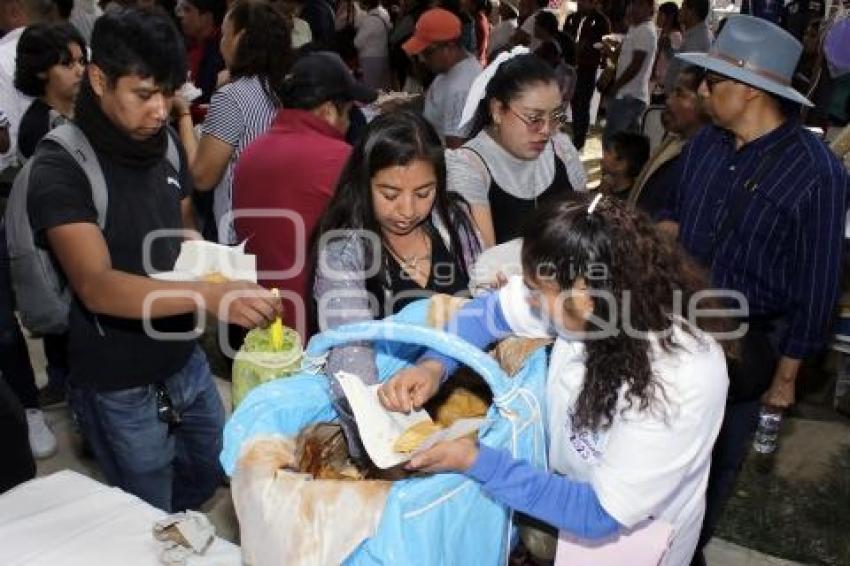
x=444, y=519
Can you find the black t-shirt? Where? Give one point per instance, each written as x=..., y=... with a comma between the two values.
x=35, y=123
x=107, y=352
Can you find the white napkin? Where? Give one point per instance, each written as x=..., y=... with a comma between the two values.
x=199, y=258
x=380, y=429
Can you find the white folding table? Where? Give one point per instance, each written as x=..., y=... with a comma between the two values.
x=69, y=519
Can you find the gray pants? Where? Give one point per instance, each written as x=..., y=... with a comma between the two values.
x=622, y=114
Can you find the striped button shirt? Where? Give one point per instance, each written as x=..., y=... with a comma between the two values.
x=785, y=252
x=239, y=112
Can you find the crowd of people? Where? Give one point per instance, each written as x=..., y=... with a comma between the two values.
x=268, y=123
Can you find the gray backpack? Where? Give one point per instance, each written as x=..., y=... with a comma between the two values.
x=42, y=297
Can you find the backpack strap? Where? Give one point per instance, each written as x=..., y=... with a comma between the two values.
x=72, y=139
x=172, y=154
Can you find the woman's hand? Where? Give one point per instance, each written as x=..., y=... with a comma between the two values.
x=411, y=388
x=453, y=456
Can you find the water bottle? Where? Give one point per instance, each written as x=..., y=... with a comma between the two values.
x=767, y=433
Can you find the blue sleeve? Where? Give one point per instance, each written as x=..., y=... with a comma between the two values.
x=819, y=248
x=554, y=499
x=480, y=322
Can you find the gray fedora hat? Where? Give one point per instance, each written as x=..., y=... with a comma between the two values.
x=755, y=52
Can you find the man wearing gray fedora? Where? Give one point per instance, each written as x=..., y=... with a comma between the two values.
x=761, y=204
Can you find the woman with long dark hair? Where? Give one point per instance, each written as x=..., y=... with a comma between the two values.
x=518, y=157
x=256, y=47
x=390, y=235
x=636, y=385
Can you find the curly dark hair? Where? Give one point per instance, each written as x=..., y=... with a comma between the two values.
x=619, y=252
x=265, y=48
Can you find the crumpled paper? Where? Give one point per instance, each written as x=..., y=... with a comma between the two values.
x=183, y=535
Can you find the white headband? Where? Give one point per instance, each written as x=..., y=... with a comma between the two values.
x=479, y=85
x=594, y=204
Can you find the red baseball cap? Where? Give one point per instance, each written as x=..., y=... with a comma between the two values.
x=433, y=26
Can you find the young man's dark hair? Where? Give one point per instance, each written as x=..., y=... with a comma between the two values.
x=40, y=47
x=631, y=147
x=216, y=8
x=139, y=42
x=700, y=8
x=43, y=10
x=64, y=8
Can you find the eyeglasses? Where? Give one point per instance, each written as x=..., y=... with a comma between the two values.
x=536, y=124
x=713, y=79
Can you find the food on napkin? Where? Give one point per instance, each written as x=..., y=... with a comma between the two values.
x=414, y=436
x=214, y=277
x=461, y=404
x=381, y=430
x=205, y=261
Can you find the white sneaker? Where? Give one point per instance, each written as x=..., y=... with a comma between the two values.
x=42, y=440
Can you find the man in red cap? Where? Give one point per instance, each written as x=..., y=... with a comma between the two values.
x=436, y=41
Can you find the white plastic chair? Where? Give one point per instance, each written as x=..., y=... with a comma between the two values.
x=651, y=126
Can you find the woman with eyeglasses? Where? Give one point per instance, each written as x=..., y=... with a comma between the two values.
x=518, y=157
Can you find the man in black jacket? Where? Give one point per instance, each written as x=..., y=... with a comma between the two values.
x=587, y=25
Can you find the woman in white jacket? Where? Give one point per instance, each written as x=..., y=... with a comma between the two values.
x=372, y=43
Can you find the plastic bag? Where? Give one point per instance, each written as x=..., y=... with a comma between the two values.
x=288, y=517
x=836, y=45
x=258, y=361
x=440, y=519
